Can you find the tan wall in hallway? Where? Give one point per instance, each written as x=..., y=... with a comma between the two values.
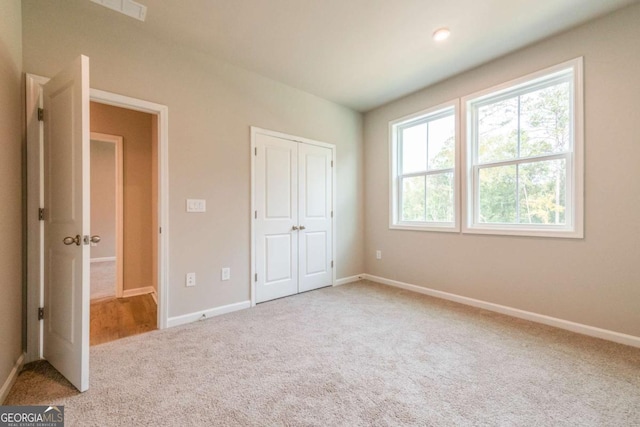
x=11, y=122
x=103, y=198
x=135, y=128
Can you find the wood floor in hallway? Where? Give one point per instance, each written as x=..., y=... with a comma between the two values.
x=115, y=318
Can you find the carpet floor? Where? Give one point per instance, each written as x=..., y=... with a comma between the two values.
x=356, y=355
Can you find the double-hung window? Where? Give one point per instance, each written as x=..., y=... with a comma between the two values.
x=424, y=172
x=522, y=160
x=524, y=156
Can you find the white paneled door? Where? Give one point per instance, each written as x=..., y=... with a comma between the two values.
x=293, y=184
x=276, y=195
x=66, y=227
x=314, y=210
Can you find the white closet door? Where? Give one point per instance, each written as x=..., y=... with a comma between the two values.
x=315, y=192
x=276, y=200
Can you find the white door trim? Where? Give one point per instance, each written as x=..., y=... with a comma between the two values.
x=35, y=199
x=119, y=258
x=162, y=112
x=332, y=147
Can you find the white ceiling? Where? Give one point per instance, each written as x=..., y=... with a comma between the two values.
x=362, y=53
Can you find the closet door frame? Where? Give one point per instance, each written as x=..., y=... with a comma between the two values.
x=254, y=132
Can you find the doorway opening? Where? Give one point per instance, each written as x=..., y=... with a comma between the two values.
x=107, y=215
x=35, y=201
x=124, y=185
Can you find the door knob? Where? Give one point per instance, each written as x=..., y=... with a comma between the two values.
x=302, y=227
x=71, y=240
x=93, y=240
x=295, y=228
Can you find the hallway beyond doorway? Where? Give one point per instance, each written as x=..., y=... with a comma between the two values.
x=116, y=318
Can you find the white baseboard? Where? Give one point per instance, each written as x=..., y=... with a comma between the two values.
x=103, y=259
x=11, y=379
x=205, y=314
x=521, y=314
x=138, y=291
x=350, y=279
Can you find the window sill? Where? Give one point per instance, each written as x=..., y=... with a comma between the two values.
x=501, y=230
x=425, y=227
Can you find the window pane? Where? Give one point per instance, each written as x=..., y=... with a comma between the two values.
x=414, y=149
x=543, y=192
x=442, y=143
x=440, y=201
x=413, y=198
x=497, y=194
x=498, y=131
x=545, y=121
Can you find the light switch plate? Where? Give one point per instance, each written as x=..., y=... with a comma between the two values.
x=196, y=205
x=225, y=273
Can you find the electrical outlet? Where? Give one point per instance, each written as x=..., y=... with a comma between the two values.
x=225, y=274
x=191, y=279
x=378, y=254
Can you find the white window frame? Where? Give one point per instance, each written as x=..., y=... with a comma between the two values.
x=574, y=227
x=395, y=192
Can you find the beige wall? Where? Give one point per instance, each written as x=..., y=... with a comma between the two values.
x=211, y=108
x=11, y=122
x=135, y=129
x=103, y=198
x=594, y=281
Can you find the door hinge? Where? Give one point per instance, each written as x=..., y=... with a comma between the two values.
x=331, y=214
x=255, y=214
x=41, y=214
x=41, y=114
x=160, y=230
x=331, y=264
x=255, y=151
x=256, y=277
x=331, y=163
x=40, y=313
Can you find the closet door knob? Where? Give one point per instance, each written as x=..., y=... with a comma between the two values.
x=295, y=228
x=302, y=227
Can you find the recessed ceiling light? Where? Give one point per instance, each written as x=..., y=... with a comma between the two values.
x=441, y=34
x=127, y=7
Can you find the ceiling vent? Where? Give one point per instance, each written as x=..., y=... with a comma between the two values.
x=127, y=7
